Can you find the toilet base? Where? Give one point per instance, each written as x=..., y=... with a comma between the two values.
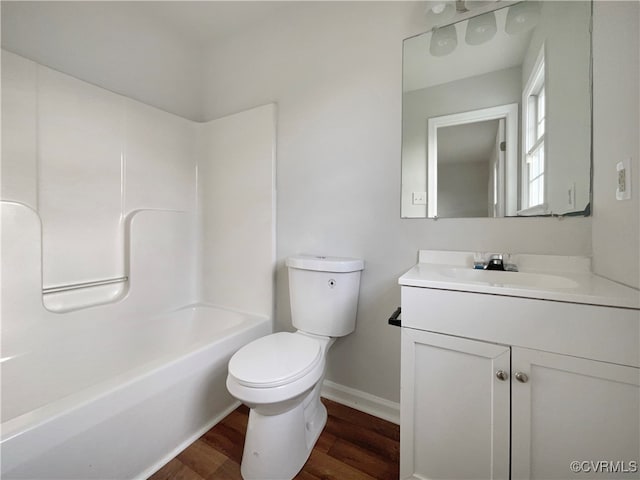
x=276, y=447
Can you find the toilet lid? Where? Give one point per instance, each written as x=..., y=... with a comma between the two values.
x=275, y=360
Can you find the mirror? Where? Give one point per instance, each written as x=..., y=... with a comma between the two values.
x=496, y=111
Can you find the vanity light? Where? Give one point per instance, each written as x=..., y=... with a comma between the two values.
x=522, y=17
x=481, y=29
x=443, y=41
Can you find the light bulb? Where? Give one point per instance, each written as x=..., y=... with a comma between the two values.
x=443, y=41
x=439, y=12
x=438, y=8
x=481, y=29
x=522, y=17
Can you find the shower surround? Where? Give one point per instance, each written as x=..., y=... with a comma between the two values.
x=124, y=247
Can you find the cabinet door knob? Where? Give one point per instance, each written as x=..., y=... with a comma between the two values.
x=502, y=375
x=521, y=377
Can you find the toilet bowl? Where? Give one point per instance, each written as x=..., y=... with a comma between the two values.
x=279, y=376
x=283, y=393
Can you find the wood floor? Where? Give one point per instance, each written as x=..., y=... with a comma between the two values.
x=353, y=445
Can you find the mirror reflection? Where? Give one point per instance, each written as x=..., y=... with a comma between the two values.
x=497, y=112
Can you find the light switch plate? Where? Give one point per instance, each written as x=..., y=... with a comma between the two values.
x=623, y=171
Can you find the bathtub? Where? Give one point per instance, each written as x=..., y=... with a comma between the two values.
x=119, y=402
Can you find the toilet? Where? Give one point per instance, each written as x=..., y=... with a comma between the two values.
x=279, y=376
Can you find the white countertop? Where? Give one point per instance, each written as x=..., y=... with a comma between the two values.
x=545, y=277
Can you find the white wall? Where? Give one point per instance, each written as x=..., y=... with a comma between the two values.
x=334, y=68
x=236, y=203
x=616, y=97
x=463, y=189
x=116, y=45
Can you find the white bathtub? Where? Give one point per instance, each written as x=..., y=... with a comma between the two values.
x=118, y=402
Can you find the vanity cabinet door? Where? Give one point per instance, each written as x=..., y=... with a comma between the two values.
x=454, y=408
x=567, y=409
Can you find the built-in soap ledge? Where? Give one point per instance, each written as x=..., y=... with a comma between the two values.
x=145, y=285
x=68, y=298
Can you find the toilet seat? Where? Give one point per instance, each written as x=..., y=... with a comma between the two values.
x=275, y=360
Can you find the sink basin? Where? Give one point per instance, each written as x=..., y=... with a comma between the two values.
x=508, y=279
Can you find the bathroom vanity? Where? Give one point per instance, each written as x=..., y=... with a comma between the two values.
x=528, y=374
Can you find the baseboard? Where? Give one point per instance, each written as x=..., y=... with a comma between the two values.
x=359, y=400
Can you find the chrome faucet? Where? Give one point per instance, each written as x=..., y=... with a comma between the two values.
x=494, y=261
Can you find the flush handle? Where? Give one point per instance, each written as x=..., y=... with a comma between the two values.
x=522, y=377
x=501, y=375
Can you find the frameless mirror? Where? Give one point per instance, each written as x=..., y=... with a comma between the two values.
x=496, y=111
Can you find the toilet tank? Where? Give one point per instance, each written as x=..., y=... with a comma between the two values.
x=324, y=294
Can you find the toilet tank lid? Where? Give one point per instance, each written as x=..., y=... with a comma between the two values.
x=320, y=263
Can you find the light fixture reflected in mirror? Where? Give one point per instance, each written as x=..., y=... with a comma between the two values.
x=481, y=29
x=439, y=11
x=522, y=17
x=443, y=41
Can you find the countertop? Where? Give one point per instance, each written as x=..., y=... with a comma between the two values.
x=545, y=277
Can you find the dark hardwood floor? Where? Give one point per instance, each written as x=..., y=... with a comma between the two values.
x=353, y=445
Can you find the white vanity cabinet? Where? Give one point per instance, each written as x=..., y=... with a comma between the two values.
x=572, y=409
x=454, y=412
x=505, y=387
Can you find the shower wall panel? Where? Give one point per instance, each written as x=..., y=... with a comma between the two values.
x=236, y=175
x=85, y=159
x=79, y=171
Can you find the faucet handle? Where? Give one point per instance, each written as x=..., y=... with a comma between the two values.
x=478, y=261
x=509, y=265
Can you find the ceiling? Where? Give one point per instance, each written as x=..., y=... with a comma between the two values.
x=205, y=21
x=196, y=22
x=152, y=51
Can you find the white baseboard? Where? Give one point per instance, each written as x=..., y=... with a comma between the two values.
x=359, y=400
